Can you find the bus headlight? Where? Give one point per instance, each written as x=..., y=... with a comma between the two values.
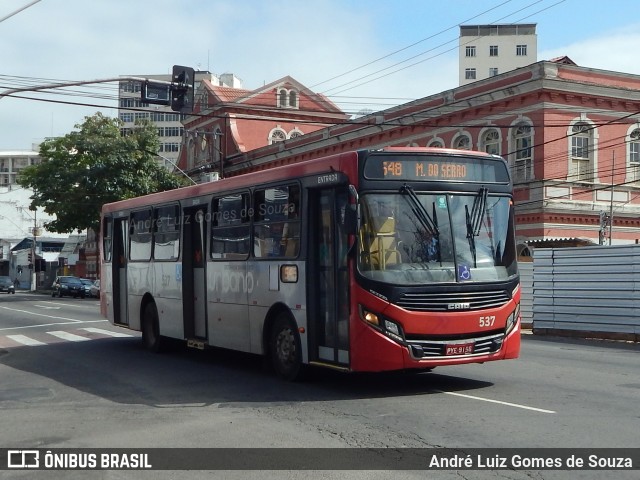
x=369, y=317
x=393, y=330
x=513, y=318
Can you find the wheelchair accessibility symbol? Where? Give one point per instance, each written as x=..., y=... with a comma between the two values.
x=464, y=273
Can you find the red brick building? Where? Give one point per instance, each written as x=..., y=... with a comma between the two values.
x=571, y=136
x=227, y=122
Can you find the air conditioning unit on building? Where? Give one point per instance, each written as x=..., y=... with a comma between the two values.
x=210, y=177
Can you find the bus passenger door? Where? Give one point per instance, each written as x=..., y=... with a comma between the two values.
x=119, y=270
x=194, y=296
x=328, y=278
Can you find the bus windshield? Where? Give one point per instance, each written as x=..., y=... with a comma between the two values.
x=412, y=237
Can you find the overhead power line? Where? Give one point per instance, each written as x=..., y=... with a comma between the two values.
x=18, y=11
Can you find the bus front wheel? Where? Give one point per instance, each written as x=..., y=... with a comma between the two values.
x=150, y=330
x=285, y=349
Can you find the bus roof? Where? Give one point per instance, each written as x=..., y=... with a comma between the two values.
x=345, y=162
x=339, y=162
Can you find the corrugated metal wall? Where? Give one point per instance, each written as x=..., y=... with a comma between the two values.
x=526, y=299
x=588, y=289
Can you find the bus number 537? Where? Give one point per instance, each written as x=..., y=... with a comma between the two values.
x=487, y=321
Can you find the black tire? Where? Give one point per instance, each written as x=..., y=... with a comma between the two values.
x=285, y=349
x=151, y=338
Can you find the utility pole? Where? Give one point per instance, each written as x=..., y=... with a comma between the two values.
x=613, y=166
x=34, y=274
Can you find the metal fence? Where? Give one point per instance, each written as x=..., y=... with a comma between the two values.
x=526, y=299
x=587, y=289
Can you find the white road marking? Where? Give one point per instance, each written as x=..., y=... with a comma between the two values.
x=516, y=405
x=68, y=336
x=40, y=325
x=106, y=332
x=46, y=307
x=80, y=304
x=73, y=320
x=24, y=340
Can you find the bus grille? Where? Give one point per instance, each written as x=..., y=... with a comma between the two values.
x=443, y=302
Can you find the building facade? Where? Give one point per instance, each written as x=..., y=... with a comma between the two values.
x=227, y=122
x=489, y=50
x=12, y=161
x=570, y=134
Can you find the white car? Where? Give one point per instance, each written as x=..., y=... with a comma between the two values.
x=94, y=290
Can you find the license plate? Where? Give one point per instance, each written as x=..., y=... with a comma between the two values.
x=459, y=349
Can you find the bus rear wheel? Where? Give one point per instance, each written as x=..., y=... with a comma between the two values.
x=151, y=338
x=285, y=348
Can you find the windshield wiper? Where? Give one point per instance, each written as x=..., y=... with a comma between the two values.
x=474, y=220
x=422, y=214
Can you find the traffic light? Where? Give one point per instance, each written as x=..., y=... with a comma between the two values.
x=182, y=93
x=30, y=257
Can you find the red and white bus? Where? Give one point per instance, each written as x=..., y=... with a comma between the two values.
x=375, y=260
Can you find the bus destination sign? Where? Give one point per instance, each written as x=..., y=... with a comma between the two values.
x=433, y=167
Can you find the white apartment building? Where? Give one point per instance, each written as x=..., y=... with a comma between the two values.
x=489, y=50
x=168, y=122
x=12, y=161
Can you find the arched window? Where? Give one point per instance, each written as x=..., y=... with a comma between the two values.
x=203, y=150
x=283, y=98
x=633, y=155
x=491, y=141
x=217, y=146
x=462, y=142
x=295, y=133
x=522, y=142
x=277, y=135
x=191, y=153
x=287, y=98
x=436, y=143
x=293, y=99
x=581, y=161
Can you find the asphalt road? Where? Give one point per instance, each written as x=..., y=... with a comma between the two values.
x=68, y=379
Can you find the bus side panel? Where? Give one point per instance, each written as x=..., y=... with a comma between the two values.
x=168, y=297
x=106, y=297
x=139, y=282
x=228, y=313
x=268, y=290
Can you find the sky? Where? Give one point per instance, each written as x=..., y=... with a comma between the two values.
x=363, y=54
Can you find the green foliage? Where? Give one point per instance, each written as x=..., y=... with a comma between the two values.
x=94, y=165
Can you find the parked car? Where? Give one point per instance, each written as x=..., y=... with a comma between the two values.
x=94, y=291
x=6, y=285
x=87, y=286
x=68, y=286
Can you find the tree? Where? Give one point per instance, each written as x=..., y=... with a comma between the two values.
x=91, y=166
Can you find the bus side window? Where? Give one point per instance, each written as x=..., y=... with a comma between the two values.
x=230, y=227
x=140, y=235
x=276, y=231
x=107, y=228
x=166, y=222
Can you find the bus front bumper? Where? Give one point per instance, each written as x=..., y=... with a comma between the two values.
x=377, y=352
